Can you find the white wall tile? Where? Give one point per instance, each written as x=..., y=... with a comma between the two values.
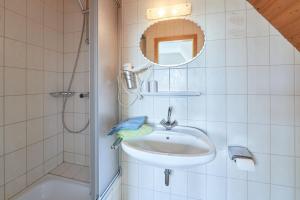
x=15, y=137
x=34, y=57
x=15, y=186
x=236, y=80
x=14, y=54
x=213, y=6
x=34, y=10
x=282, y=140
x=281, y=51
x=237, y=134
x=196, y=186
x=50, y=147
x=282, y=80
x=258, y=80
x=258, y=191
x=197, y=79
x=259, y=109
x=297, y=172
x=35, y=83
x=297, y=80
x=146, y=176
x=282, y=110
x=34, y=106
x=237, y=108
x=1, y=141
x=196, y=108
x=216, y=108
x=15, y=165
x=283, y=171
x=1, y=110
x=235, y=5
x=35, y=33
x=216, y=80
x=215, y=53
x=130, y=174
x=258, y=51
x=35, y=174
x=237, y=189
x=213, y=183
x=15, y=26
x=297, y=141
x=259, y=138
x=236, y=53
x=215, y=26
x=236, y=22
x=130, y=13
x=179, y=182
x=1, y=82
x=257, y=25
x=15, y=109
x=279, y=192
x=15, y=81
x=34, y=155
x=178, y=79
x=1, y=171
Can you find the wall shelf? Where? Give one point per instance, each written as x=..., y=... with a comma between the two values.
x=179, y=93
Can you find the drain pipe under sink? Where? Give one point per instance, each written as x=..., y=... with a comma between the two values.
x=167, y=176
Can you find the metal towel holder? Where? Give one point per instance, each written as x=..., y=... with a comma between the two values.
x=117, y=143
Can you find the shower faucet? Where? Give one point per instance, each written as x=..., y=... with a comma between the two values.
x=169, y=124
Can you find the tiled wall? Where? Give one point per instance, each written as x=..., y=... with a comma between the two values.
x=249, y=77
x=31, y=66
x=76, y=146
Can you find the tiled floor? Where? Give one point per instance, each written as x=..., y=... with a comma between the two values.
x=73, y=171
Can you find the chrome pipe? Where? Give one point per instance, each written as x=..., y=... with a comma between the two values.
x=81, y=5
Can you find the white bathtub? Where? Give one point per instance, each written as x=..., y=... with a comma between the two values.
x=55, y=188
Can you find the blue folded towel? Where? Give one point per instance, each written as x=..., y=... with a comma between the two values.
x=128, y=124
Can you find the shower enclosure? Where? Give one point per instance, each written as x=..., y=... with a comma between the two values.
x=104, y=106
x=52, y=54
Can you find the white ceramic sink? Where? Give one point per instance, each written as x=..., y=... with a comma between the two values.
x=177, y=148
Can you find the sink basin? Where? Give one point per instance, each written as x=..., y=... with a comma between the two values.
x=181, y=147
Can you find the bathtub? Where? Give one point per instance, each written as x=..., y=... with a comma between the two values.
x=53, y=187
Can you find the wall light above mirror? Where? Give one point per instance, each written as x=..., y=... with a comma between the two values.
x=169, y=11
x=172, y=42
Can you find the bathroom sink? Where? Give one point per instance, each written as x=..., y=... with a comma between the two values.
x=181, y=147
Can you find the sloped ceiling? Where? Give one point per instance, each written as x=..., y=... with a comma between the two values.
x=284, y=15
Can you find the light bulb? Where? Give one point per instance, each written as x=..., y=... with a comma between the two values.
x=161, y=12
x=174, y=11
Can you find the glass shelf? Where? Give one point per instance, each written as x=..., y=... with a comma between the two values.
x=179, y=93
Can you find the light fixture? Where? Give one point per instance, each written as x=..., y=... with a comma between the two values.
x=169, y=11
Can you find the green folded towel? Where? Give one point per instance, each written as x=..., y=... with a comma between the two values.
x=129, y=134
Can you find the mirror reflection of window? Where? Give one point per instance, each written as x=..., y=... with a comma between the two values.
x=174, y=50
x=172, y=42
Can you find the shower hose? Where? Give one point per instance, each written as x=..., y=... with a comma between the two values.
x=65, y=100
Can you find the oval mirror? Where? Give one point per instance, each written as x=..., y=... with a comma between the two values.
x=172, y=42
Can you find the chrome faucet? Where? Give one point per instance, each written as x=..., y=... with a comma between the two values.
x=168, y=124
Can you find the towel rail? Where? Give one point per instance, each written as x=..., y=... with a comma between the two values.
x=116, y=144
